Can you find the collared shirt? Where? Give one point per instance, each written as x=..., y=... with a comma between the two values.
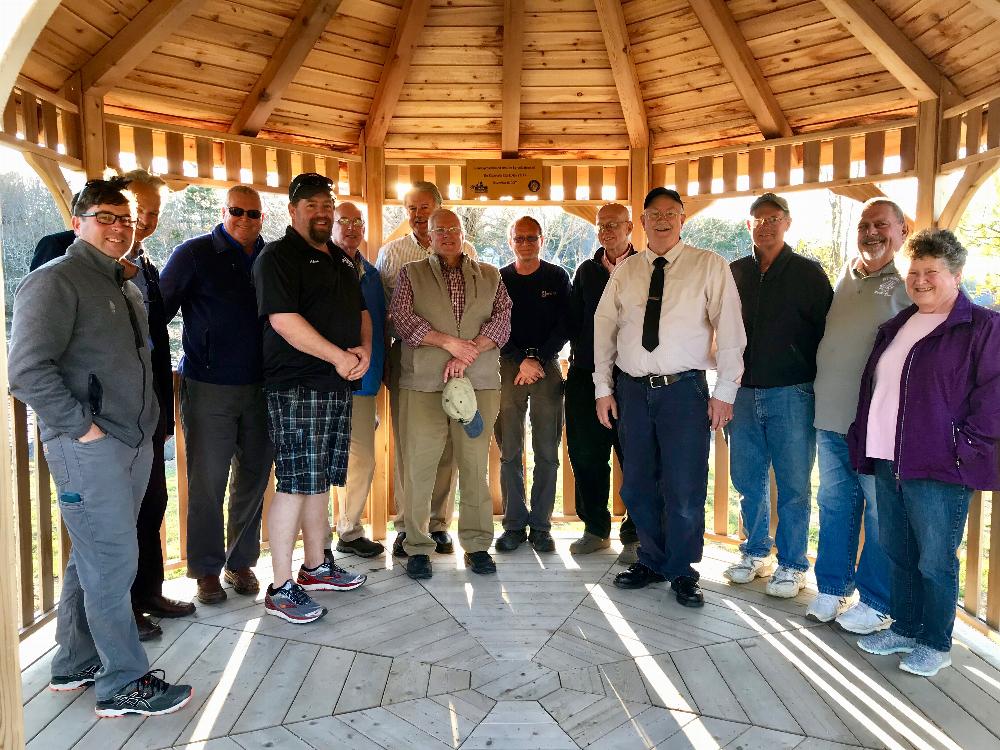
x=413, y=329
x=397, y=253
x=701, y=326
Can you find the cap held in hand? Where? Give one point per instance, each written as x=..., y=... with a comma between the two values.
x=459, y=402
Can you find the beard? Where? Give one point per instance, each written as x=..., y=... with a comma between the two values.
x=319, y=234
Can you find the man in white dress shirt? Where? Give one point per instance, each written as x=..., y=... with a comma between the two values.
x=667, y=315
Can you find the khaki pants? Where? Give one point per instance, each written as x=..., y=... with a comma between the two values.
x=360, y=470
x=443, y=494
x=425, y=430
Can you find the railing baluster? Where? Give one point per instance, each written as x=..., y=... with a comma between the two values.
x=720, y=493
x=22, y=493
x=973, y=551
x=43, y=496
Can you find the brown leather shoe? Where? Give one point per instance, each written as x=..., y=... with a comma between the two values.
x=210, y=591
x=148, y=630
x=243, y=581
x=161, y=606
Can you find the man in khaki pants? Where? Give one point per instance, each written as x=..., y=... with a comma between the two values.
x=453, y=315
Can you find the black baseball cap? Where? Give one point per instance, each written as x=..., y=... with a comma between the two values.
x=660, y=192
x=308, y=184
x=774, y=200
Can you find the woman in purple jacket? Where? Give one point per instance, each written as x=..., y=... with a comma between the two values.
x=927, y=424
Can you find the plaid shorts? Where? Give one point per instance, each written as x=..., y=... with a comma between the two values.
x=311, y=432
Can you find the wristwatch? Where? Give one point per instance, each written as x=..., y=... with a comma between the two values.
x=531, y=353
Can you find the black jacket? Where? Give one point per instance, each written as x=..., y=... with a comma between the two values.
x=588, y=285
x=784, y=313
x=163, y=373
x=51, y=246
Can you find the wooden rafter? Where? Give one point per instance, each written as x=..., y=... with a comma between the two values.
x=992, y=7
x=513, y=57
x=612, y=20
x=728, y=41
x=303, y=32
x=893, y=49
x=151, y=27
x=409, y=27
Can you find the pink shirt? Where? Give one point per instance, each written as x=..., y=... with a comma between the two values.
x=885, y=400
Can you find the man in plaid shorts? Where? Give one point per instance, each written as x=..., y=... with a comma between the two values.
x=317, y=343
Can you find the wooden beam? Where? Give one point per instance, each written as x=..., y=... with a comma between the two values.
x=303, y=32
x=739, y=61
x=990, y=7
x=612, y=20
x=92, y=131
x=151, y=26
x=973, y=178
x=50, y=174
x=409, y=27
x=927, y=162
x=639, y=175
x=513, y=57
x=893, y=49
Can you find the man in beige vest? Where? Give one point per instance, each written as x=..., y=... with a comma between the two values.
x=453, y=315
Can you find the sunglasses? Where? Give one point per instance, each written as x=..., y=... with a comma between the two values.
x=251, y=213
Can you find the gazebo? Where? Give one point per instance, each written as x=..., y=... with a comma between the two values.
x=586, y=100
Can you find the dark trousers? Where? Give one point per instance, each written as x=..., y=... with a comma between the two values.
x=149, y=574
x=590, y=443
x=665, y=434
x=225, y=433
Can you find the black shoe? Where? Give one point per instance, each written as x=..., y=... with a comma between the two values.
x=541, y=541
x=419, y=566
x=443, y=540
x=148, y=696
x=148, y=630
x=688, y=591
x=480, y=562
x=397, y=545
x=510, y=540
x=75, y=681
x=362, y=547
x=637, y=576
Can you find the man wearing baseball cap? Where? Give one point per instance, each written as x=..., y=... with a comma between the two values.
x=667, y=315
x=785, y=298
x=316, y=344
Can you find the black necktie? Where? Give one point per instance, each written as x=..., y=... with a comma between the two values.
x=651, y=322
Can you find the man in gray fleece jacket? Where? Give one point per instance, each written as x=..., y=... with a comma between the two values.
x=79, y=357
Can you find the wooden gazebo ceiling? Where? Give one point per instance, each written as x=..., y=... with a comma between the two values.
x=542, y=77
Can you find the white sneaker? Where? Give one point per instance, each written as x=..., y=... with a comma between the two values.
x=748, y=568
x=862, y=619
x=825, y=607
x=786, y=583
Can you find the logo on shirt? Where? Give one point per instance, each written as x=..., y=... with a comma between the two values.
x=546, y=294
x=111, y=304
x=888, y=285
x=313, y=260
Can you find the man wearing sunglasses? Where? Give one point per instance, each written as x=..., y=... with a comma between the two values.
x=785, y=298
x=223, y=411
x=87, y=373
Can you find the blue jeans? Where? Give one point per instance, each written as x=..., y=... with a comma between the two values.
x=844, y=498
x=922, y=524
x=774, y=426
x=665, y=434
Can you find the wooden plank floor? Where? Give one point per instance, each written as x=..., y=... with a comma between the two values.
x=546, y=654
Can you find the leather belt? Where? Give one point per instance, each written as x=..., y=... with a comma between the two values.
x=660, y=381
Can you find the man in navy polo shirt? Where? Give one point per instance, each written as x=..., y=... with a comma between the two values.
x=223, y=412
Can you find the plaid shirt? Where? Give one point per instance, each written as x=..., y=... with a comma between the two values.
x=413, y=329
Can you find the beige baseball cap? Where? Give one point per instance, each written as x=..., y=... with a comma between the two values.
x=459, y=402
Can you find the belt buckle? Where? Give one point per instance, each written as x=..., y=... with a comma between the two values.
x=658, y=381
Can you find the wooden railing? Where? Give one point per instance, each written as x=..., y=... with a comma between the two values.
x=44, y=123
x=43, y=547
x=971, y=131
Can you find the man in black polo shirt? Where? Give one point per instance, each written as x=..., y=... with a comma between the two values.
x=317, y=343
x=785, y=298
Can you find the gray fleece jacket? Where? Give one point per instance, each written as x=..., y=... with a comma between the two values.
x=78, y=351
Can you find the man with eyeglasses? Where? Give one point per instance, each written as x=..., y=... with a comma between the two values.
x=868, y=292
x=531, y=382
x=317, y=343
x=87, y=374
x=421, y=200
x=223, y=411
x=785, y=298
x=453, y=315
x=667, y=315
x=348, y=234
x=589, y=442
x=147, y=591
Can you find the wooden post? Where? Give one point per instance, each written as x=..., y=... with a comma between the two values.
x=928, y=130
x=720, y=490
x=639, y=171
x=92, y=135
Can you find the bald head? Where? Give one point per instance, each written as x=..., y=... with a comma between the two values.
x=348, y=228
x=614, y=230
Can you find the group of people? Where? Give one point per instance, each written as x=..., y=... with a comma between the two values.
x=286, y=344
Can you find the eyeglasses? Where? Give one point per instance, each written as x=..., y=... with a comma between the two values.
x=771, y=221
x=108, y=218
x=610, y=226
x=653, y=214
x=310, y=180
x=530, y=239
x=251, y=213
x=345, y=222
x=446, y=231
